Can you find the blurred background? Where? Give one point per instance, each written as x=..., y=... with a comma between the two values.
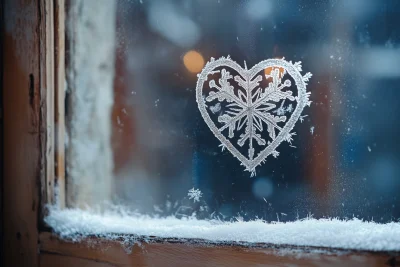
x=347, y=157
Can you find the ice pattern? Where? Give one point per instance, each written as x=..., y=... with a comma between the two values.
x=249, y=108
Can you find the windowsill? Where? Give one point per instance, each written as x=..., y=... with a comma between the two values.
x=324, y=234
x=95, y=251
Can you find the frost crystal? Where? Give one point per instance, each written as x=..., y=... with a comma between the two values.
x=302, y=118
x=216, y=108
x=76, y=224
x=195, y=194
x=246, y=100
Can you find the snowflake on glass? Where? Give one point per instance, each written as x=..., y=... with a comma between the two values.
x=252, y=118
x=195, y=194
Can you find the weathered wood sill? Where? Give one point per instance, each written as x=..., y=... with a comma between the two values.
x=153, y=251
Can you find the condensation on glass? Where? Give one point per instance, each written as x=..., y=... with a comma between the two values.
x=346, y=160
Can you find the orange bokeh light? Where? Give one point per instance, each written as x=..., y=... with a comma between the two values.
x=268, y=71
x=193, y=61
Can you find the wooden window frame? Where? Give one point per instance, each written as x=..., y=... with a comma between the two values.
x=32, y=120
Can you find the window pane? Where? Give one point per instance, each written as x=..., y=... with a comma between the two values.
x=344, y=160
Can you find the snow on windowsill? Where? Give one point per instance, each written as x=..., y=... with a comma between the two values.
x=330, y=233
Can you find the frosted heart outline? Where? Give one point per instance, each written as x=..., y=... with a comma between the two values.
x=293, y=69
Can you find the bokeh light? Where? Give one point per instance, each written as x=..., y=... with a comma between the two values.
x=262, y=188
x=193, y=61
x=269, y=70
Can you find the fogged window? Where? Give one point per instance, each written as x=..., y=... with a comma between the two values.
x=344, y=160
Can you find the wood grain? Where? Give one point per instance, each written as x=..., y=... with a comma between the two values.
x=59, y=102
x=1, y=126
x=28, y=97
x=47, y=260
x=186, y=254
x=21, y=94
x=46, y=95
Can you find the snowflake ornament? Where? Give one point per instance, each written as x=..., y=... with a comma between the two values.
x=253, y=118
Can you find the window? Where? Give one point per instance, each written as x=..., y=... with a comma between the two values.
x=342, y=162
x=141, y=164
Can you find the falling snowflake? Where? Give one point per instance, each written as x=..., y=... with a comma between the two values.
x=312, y=129
x=249, y=105
x=195, y=194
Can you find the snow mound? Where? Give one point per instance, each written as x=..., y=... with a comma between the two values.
x=331, y=233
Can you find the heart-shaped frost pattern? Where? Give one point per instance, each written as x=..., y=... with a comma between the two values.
x=251, y=111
